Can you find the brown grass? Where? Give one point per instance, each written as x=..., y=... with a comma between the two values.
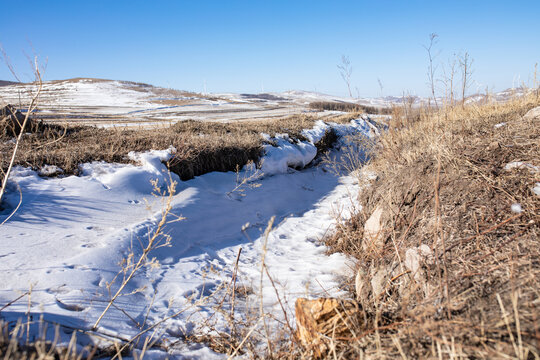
x=441, y=181
x=201, y=146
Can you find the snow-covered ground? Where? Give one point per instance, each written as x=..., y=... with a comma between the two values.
x=109, y=103
x=120, y=103
x=69, y=235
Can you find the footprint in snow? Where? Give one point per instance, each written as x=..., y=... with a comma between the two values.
x=88, y=246
x=70, y=307
x=58, y=290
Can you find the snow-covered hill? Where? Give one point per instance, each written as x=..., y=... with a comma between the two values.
x=120, y=103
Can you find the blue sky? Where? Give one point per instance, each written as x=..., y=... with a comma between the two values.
x=247, y=46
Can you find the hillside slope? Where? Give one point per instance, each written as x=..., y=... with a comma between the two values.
x=452, y=270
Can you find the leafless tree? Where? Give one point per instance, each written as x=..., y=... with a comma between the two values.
x=432, y=69
x=381, y=86
x=449, y=73
x=536, y=87
x=465, y=64
x=345, y=70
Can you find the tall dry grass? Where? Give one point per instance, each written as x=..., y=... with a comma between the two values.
x=458, y=273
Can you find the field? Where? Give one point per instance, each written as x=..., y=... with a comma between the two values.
x=168, y=207
x=149, y=222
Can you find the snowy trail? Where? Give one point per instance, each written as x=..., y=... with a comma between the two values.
x=70, y=233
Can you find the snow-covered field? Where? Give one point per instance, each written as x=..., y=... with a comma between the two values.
x=120, y=103
x=69, y=235
x=109, y=103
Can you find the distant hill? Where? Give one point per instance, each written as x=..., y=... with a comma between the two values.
x=5, y=83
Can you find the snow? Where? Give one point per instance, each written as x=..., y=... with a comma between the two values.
x=143, y=179
x=521, y=165
x=285, y=154
x=50, y=170
x=315, y=134
x=516, y=208
x=536, y=189
x=118, y=103
x=70, y=234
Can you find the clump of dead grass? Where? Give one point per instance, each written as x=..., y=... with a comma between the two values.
x=443, y=181
x=13, y=346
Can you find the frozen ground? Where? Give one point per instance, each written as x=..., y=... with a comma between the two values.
x=67, y=238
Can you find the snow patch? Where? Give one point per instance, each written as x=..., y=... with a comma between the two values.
x=287, y=153
x=521, y=165
x=516, y=208
x=284, y=153
x=50, y=170
x=536, y=189
x=152, y=174
x=317, y=133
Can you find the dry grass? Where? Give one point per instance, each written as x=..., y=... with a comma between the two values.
x=201, y=146
x=441, y=182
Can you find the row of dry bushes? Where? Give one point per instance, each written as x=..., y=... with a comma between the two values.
x=454, y=271
x=349, y=107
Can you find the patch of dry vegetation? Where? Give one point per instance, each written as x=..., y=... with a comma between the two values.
x=454, y=272
x=348, y=107
x=201, y=146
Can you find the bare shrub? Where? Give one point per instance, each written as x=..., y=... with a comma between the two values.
x=348, y=107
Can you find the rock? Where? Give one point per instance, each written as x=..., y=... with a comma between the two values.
x=427, y=254
x=379, y=281
x=412, y=263
x=362, y=286
x=533, y=114
x=321, y=320
x=373, y=234
x=415, y=258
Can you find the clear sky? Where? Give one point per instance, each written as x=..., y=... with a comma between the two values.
x=247, y=46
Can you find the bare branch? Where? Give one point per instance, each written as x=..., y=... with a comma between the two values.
x=432, y=68
x=31, y=108
x=465, y=63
